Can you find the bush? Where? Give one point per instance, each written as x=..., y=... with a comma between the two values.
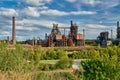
x=55, y=76
x=104, y=66
x=18, y=59
x=51, y=54
x=68, y=76
x=46, y=67
x=64, y=63
x=84, y=54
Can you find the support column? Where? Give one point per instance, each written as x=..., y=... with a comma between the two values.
x=8, y=41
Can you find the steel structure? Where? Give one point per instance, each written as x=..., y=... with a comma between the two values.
x=55, y=38
x=118, y=30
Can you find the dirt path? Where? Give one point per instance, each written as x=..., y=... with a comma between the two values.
x=58, y=71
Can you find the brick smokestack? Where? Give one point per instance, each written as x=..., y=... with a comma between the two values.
x=13, y=31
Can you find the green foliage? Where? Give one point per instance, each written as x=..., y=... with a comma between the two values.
x=52, y=54
x=18, y=59
x=55, y=76
x=37, y=55
x=46, y=67
x=12, y=59
x=60, y=53
x=91, y=43
x=100, y=64
x=78, y=74
x=21, y=59
x=68, y=76
x=104, y=66
x=64, y=63
x=84, y=54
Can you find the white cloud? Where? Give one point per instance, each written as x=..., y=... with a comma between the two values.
x=34, y=2
x=36, y=12
x=43, y=7
x=49, y=24
x=82, y=12
x=5, y=33
x=20, y=38
x=26, y=28
x=109, y=4
x=38, y=2
x=91, y=2
x=71, y=1
x=51, y=12
x=28, y=24
x=96, y=26
x=103, y=3
x=46, y=1
x=31, y=11
x=8, y=12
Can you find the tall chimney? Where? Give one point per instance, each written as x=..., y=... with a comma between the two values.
x=45, y=35
x=13, y=31
x=111, y=34
x=71, y=22
x=117, y=23
x=118, y=30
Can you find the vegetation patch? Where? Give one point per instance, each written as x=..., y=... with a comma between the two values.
x=38, y=64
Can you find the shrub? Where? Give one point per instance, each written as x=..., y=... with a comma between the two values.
x=51, y=54
x=104, y=66
x=46, y=67
x=55, y=76
x=64, y=63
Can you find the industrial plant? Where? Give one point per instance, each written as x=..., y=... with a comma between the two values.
x=58, y=39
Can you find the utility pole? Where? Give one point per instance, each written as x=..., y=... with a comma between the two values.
x=8, y=40
x=111, y=34
x=83, y=36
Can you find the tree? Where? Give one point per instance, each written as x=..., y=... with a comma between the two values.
x=104, y=66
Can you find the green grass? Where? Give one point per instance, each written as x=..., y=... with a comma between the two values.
x=48, y=61
x=55, y=61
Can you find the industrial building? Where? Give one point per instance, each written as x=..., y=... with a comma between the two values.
x=56, y=38
x=73, y=38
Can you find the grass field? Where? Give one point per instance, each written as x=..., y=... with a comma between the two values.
x=48, y=61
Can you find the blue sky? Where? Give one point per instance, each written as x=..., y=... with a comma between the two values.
x=34, y=18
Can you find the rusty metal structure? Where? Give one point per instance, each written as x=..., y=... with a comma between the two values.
x=33, y=42
x=55, y=38
x=73, y=38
